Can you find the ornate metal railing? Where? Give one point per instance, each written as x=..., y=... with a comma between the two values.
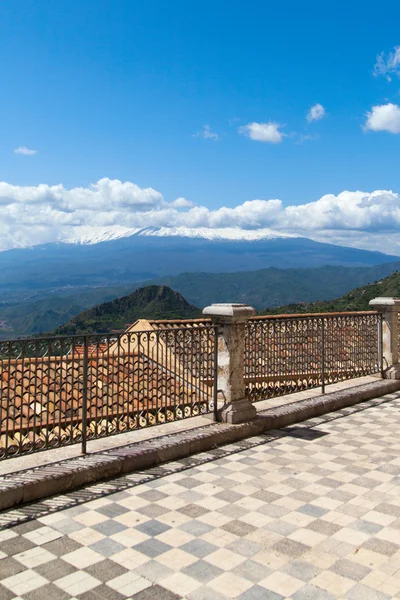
x=291, y=353
x=60, y=391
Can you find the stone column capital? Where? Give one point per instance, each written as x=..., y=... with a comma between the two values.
x=385, y=304
x=225, y=313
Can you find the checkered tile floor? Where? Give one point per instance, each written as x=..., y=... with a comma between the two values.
x=312, y=512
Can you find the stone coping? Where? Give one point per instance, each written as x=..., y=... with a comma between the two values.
x=70, y=474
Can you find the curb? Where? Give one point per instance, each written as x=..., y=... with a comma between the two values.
x=68, y=475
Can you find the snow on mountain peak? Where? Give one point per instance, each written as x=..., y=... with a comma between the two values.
x=86, y=235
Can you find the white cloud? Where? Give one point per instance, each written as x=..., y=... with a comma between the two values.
x=384, y=117
x=24, y=150
x=316, y=113
x=182, y=203
x=263, y=132
x=385, y=66
x=207, y=134
x=43, y=213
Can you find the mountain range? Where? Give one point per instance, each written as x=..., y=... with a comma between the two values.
x=150, y=253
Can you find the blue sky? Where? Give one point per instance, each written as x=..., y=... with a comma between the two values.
x=119, y=89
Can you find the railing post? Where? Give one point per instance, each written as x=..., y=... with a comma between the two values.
x=84, y=392
x=323, y=357
x=230, y=320
x=389, y=309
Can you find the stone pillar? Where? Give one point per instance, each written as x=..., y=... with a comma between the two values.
x=389, y=309
x=231, y=319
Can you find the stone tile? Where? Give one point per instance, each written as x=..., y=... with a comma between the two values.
x=259, y=593
x=105, y=570
x=381, y=546
x=290, y=548
x=310, y=592
x=47, y=592
x=364, y=592
x=9, y=567
x=350, y=569
x=102, y=592
x=202, y=571
x=107, y=547
x=199, y=548
x=61, y=546
x=152, y=548
x=55, y=569
x=16, y=545
x=152, y=527
x=301, y=569
x=156, y=592
x=239, y=528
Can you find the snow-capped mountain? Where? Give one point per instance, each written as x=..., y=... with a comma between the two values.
x=121, y=256
x=96, y=236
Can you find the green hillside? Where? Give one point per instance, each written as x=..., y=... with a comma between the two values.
x=51, y=310
x=357, y=299
x=151, y=302
x=274, y=287
x=46, y=310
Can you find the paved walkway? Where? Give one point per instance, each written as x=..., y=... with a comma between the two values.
x=308, y=512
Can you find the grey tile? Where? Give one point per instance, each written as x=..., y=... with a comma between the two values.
x=388, y=509
x=152, y=510
x=112, y=510
x=365, y=526
x=364, y=592
x=239, y=528
x=106, y=570
x=102, y=592
x=312, y=510
x=350, y=569
x=229, y=496
x=325, y=527
x=193, y=510
x=199, y=548
x=153, y=495
x=107, y=547
x=206, y=593
x=152, y=527
x=381, y=546
x=252, y=570
x=16, y=545
x=195, y=527
x=232, y=510
x=62, y=546
x=5, y=594
x=290, y=548
x=67, y=526
x=46, y=592
x=202, y=571
x=154, y=571
x=259, y=593
x=9, y=567
x=55, y=569
x=301, y=570
x=310, y=592
x=281, y=527
x=152, y=548
x=156, y=592
x=245, y=547
x=190, y=482
x=26, y=527
x=109, y=527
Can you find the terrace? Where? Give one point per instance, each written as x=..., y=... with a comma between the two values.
x=219, y=397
